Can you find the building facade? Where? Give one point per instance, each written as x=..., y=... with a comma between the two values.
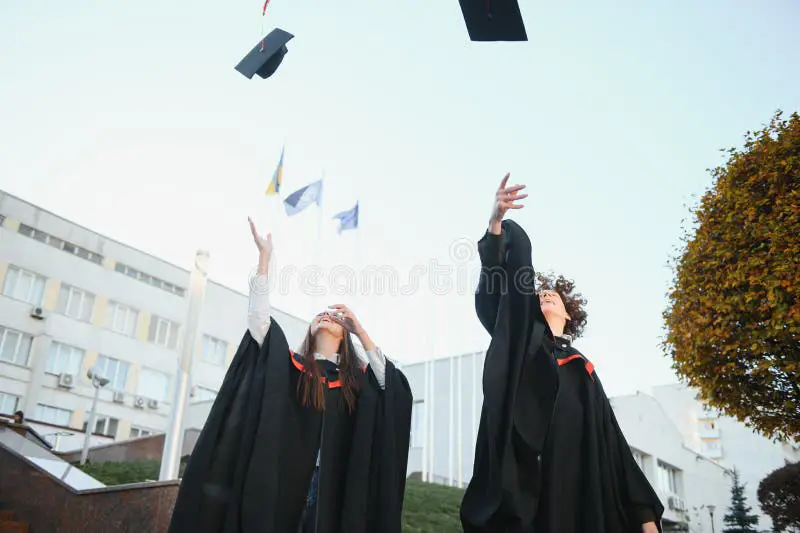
x=669, y=439
x=726, y=440
x=72, y=299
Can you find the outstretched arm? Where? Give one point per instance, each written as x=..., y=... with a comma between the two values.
x=492, y=253
x=259, y=309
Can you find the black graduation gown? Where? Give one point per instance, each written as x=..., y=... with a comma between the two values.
x=544, y=427
x=252, y=465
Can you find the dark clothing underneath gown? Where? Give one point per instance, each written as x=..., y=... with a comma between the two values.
x=562, y=458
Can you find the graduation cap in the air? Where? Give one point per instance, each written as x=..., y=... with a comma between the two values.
x=266, y=56
x=493, y=20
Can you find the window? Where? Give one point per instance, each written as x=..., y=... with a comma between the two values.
x=113, y=369
x=202, y=394
x=667, y=478
x=137, y=432
x=153, y=385
x=122, y=318
x=213, y=350
x=418, y=425
x=75, y=303
x=55, y=242
x=64, y=359
x=15, y=346
x=8, y=403
x=52, y=415
x=163, y=332
x=104, y=425
x=23, y=285
x=149, y=280
x=638, y=457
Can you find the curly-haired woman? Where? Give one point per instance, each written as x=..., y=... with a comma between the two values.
x=550, y=456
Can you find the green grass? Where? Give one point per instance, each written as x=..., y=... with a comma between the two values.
x=428, y=508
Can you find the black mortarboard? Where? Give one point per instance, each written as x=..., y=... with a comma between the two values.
x=493, y=20
x=266, y=56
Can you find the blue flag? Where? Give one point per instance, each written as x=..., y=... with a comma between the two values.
x=348, y=219
x=303, y=197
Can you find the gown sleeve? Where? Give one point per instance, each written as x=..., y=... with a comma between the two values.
x=377, y=362
x=259, y=309
x=487, y=298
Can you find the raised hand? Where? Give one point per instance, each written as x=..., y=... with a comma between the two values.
x=264, y=245
x=504, y=199
x=352, y=324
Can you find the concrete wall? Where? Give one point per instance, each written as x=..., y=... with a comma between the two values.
x=141, y=449
x=51, y=507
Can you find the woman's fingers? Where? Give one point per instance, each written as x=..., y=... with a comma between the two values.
x=505, y=180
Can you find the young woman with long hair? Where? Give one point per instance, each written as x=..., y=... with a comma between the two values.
x=312, y=441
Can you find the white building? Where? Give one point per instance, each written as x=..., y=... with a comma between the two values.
x=727, y=441
x=71, y=299
x=665, y=433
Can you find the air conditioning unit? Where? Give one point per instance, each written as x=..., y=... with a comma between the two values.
x=676, y=504
x=119, y=397
x=152, y=404
x=138, y=402
x=66, y=381
x=37, y=313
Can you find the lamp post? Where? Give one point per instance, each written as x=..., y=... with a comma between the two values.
x=711, y=514
x=98, y=382
x=173, y=440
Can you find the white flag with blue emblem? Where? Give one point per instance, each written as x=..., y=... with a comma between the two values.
x=303, y=197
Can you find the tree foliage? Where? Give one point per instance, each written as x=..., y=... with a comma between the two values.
x=779, y=496
x=733, y=319
x=739, y=519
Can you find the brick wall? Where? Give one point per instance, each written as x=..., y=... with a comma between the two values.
x=141, y=449
x=51, y=507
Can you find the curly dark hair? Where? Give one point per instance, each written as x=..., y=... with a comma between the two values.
x=574, y=303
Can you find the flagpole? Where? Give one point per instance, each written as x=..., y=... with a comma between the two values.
x=318, y=247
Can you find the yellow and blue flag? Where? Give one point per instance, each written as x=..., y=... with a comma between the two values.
x=277, y=178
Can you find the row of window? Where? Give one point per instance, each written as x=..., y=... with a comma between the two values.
x=61, y=244
x=150, y=280
x=48, y=414
x=66, y=359
x=77, y=303
x=94, y=257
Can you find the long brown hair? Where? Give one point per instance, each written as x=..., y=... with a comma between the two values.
x=310, y=388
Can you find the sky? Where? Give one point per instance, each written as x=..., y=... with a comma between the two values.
x=129, y=118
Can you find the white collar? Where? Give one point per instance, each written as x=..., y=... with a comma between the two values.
x=334, y=358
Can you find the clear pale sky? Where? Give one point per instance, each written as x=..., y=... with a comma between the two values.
x=129, y=118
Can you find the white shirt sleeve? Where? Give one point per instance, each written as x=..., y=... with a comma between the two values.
x=377, y=361
x=259, y=309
